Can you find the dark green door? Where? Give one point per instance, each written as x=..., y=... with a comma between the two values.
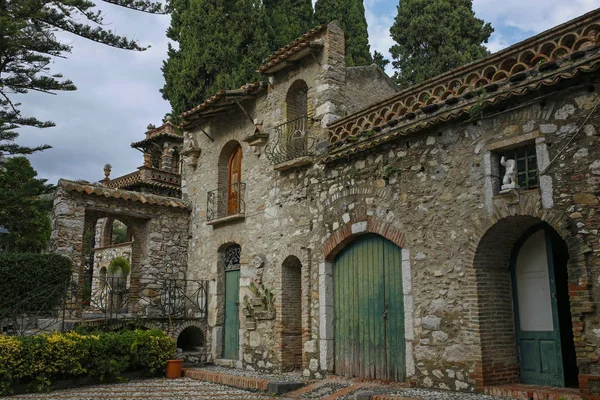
x=231, y=342
x=536, y=312
x=369, y=310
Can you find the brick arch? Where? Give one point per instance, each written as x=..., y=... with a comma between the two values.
x=181, y=326
x=354, y=228
x=491, y=315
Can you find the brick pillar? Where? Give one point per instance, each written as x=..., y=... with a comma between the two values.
x=166, y=160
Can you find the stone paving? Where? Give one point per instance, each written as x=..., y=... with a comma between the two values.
x=154, y=389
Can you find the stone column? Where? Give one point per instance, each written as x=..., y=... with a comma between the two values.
x=166, y=160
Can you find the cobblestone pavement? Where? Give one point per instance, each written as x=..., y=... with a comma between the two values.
x=154, y=389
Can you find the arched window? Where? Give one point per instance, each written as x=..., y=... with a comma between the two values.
x=297, y=101
x=228, y=199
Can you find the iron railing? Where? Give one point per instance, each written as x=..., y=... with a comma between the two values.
x=57, y=305
x=291, y=140
x=226, y=201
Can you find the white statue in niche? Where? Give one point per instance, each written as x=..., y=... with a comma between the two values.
x=509, y=181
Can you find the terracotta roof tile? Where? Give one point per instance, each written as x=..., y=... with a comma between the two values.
x=225, y=97
x=125, y=195
x=421, y=120
x=535, y=56
x=291, y=49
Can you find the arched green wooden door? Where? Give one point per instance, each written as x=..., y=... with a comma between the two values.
x=231, y=342
x=369, y=310
x=536, y=312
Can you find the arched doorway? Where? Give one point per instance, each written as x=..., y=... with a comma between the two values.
x=369, y=310
x=231, y=334
x=542, y=310
x=523, y=307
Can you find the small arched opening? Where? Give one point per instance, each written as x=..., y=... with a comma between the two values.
x=291, y=314
x=296, y=100
x=191, y=339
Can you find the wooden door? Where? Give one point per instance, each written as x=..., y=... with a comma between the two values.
x=231, y=343
x=536, y=312
x=234, y=170
x=369, y=310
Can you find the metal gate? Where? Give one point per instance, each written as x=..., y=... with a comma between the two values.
x=369, y=310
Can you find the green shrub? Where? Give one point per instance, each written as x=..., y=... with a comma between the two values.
x=40, y=360
x=120, y=264
x=35, y=282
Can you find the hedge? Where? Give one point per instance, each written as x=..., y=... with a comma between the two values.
x=34, y=282
x=39, y=360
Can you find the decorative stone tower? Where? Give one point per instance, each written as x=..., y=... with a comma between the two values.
x=161, y=172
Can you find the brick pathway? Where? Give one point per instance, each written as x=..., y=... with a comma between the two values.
x=153, y=389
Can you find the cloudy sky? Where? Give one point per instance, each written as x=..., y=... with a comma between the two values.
x=118, y=91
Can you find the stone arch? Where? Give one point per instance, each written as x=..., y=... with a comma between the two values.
x=222, y=167
x=360, y=225
x=190, y=338
x=347, y=233
x=296, y=100
x=491, y=326
x=289, y=327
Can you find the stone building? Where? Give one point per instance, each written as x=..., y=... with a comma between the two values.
x=160, y=174
x=445, y=234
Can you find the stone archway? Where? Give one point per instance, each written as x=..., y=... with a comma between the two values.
x=335, y=244
x=491, y=319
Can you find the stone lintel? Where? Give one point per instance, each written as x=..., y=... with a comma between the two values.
x=295, y=163
x=224, y=220
x=513, y=141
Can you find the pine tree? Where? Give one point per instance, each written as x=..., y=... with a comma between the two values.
x=288, y=19
x=220, y=45
x=351, y=16
x=435, y=36
x=24, y=210
x=28, y=43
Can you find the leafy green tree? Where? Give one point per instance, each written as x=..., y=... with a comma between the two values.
x=351, y=16
x=24, y=207
x=28, y=44
x=288, y=19
x=380, y=60
x=220, y=43
x=435, y=36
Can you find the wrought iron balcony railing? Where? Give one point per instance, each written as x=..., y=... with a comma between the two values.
x=98, y=298
x=291, y=140
x=226, y=201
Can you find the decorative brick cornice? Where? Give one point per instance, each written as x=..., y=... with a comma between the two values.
x=560, y=53
x=360, y=226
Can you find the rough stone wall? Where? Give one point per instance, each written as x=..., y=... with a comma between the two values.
x=434, y=192
x=158, y=252
x=367, y=85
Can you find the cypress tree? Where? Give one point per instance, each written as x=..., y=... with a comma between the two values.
x=435, y=36
x=220, y=45
x=288, y=19
x=351, y=16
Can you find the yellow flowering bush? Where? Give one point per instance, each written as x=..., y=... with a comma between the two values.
x=39, y=360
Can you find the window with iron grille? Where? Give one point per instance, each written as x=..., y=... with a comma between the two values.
x=527, y=168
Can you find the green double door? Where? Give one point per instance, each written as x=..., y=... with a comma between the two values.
x=536, y=312
x=231, y=342
x=369, y=310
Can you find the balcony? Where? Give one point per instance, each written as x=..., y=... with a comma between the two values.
x=226, y=204
x=291, y=145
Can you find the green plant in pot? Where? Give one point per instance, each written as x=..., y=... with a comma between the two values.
x=119, y=267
